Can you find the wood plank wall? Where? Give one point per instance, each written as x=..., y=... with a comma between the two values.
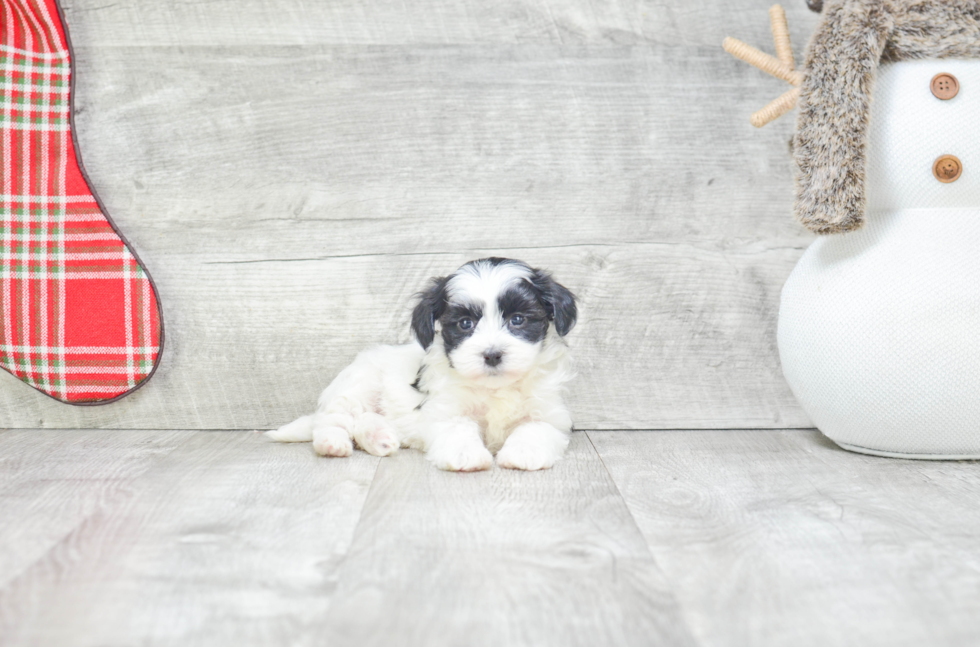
x=292, y=172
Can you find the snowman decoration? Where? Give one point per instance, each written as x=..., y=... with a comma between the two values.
x=879, y=322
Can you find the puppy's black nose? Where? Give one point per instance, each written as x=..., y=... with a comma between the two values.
x=493, y=357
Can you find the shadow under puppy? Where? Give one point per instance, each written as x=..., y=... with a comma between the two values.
x=486, y=377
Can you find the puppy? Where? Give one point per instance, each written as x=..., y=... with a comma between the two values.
x=486, y=377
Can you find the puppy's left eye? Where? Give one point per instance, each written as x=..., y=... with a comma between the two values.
x=517, y=320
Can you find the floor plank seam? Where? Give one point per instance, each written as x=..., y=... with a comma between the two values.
x=675, y=429
x=360, y=514
x=653, y=558
x=621, y=496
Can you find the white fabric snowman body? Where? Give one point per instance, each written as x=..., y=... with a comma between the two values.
x=879, y=328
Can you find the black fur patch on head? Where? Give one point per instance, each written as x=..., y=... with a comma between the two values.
x=431, y=305
x=456, y=314
x=523, y=300
x=557, y=299
x=496, y=260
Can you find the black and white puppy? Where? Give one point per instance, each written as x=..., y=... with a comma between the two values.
x=486, y=377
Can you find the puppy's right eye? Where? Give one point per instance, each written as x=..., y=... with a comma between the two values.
x=465, y=324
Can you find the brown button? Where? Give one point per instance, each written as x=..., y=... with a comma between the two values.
x=947, y=168
x=944, y=86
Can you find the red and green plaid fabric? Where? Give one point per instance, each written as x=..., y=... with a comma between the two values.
x=79, y=318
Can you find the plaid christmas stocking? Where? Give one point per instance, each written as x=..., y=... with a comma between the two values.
x=79, y=317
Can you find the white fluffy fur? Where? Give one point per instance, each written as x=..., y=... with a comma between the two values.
x=469, y=411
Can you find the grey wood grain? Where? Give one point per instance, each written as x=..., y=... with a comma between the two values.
x=241, y=357
x=499, y=558
x=228, y=539
x=289, y=190
x=726, y=538
x=390, y=22
x=776, y=538
x=52, y=483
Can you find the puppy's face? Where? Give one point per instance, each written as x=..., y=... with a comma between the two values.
x=493, y=316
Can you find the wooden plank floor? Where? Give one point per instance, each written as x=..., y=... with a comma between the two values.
x=714, y=538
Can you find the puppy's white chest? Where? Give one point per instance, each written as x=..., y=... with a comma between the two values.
x=496, y=406
x=497, y=412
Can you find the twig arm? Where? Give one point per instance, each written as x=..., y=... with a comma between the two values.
x=776, y=108
x=768, y=64
x=780, y=36
x=782, y=66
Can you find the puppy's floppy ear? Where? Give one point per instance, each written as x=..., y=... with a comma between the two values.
x=559, y=301
x=432, y=303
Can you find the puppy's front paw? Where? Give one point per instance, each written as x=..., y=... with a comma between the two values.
x=332, y=441
x=375, y=435
x=525, y=458
x=462, y=453
x=534, y=446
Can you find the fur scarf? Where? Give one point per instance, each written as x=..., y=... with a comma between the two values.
x=841, y=64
